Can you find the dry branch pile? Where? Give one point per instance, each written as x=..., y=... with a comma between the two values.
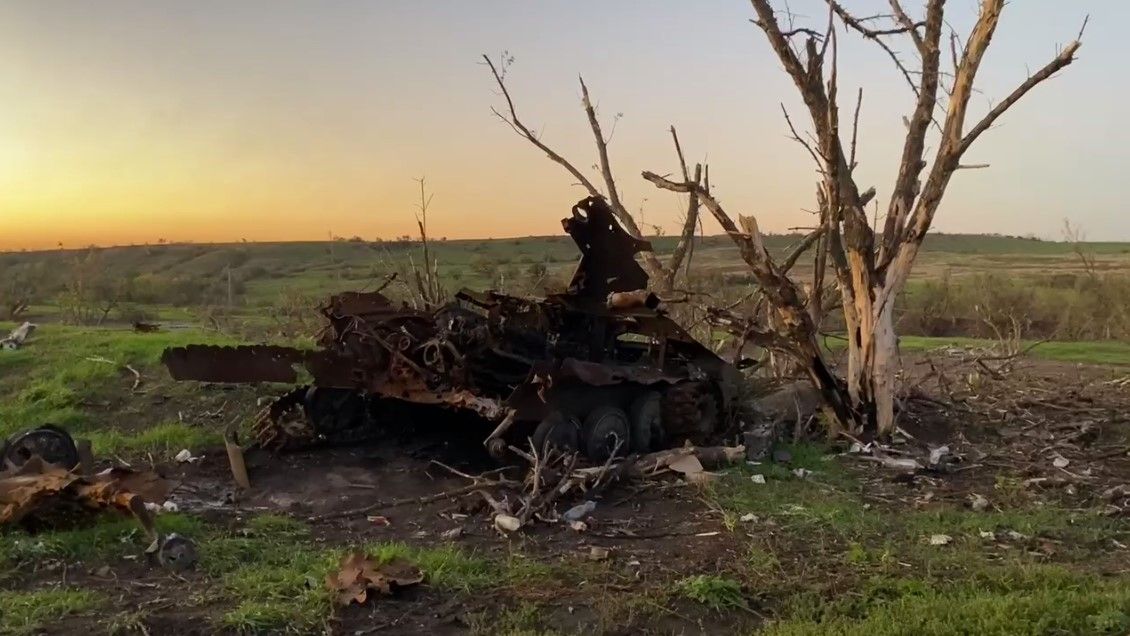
x=553, y=476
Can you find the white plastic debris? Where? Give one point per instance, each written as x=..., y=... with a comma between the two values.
x=16, y=339
x=170, y=506
x=938, y=454
x=758, y=478
x=186, y=457
x=748, y=517
x=507, y=523
x=598, y=553
x=802, y=473
x=940, y=539
x=580, y=511
x=978, y=502
x=985, y=534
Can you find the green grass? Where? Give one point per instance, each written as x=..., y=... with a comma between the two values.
x=107, y=538
x=823, y=559
x=26, y=612
x=523, y=620
x=58, y=375
x=162, y=440
x=716, y=592
x=1112, y=352
x=1017, y=601
x=1095, y=352
x=280, y=584
x=269, y=574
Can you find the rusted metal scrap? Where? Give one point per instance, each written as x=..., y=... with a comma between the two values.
x=597, y=368
x=44, y=492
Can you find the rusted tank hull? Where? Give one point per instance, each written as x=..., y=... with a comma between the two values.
x=510, y=360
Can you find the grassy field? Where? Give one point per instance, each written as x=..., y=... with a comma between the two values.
x=824, y=554
x=839, y=552
x=963, y=285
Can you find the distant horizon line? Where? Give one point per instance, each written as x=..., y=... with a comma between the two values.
x=402, y=239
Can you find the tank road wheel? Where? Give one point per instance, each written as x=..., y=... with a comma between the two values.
x=51, y=443
x=647, y=427
x=689, y=410
x=282, y=424
x=606, y=431
x=558, y=431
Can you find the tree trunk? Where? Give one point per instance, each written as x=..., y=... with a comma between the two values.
x=885, y=362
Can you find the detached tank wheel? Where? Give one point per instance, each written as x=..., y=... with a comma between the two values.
x=647, y=426
x=51, y=443
x=558, y=431
x=606, y=431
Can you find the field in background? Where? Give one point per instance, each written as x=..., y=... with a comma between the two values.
x=963, y=285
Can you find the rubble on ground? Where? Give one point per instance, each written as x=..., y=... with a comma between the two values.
x=47, y=482
x=555, y=478
x=39, y=491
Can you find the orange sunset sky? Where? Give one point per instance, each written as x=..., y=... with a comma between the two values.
x=129, y=121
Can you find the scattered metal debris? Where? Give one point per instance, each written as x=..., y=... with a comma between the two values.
x=49, y=442
x=596, y=369
x=47, y=481
x=41, y=491
x=177, y=553
x=554, y=476
x=360, y=574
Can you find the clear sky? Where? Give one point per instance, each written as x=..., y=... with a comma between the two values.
x=126, y=121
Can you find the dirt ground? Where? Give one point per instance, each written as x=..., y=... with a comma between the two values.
x=651, y=532
x=1022, y=434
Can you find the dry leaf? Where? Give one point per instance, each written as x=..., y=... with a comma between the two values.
x=359, y=573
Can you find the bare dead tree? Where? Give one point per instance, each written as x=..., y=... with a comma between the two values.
x=662, y=275
x=1075, y=235
x=427, y=281
x=871, y=264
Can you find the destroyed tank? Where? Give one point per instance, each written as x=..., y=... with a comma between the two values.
x=599, y=368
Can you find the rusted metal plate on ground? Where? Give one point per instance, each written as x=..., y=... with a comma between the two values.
x=38, y=489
